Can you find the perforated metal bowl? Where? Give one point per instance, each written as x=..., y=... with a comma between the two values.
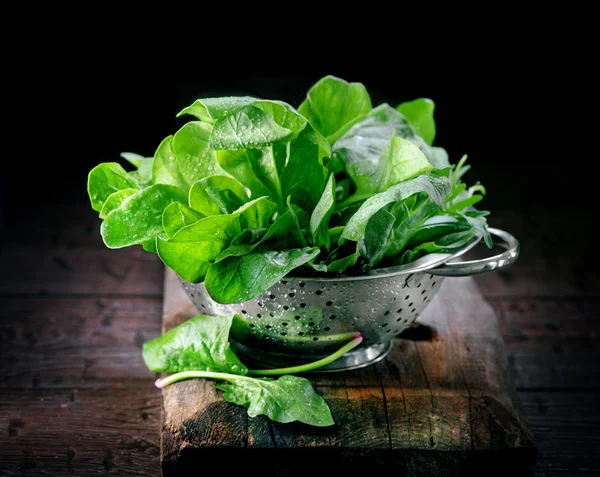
x=303, y=319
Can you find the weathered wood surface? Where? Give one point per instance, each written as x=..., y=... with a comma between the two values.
x=444, y=391
x=76, y=399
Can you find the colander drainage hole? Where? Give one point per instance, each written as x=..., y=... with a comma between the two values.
x=326, y=328
x=383, y=325
x=272, y=297
x=388, y=331
x=407, y=297
x=399, y=319
x=284, y=282
x=284, y=323
x=315, y=339
x=319, y=292
x=424, y=298
x=301, y=333
x=252, y=326
x=433, y=284
x=302, y=305
x=291, y=295
x=329, y=303
x=285, y=307
x=423, y=292
x=312, y=323
x=413, y=310
x=272, y=315
x=419, y=285
x=244, y=312
x=258, y=315
x=399, y=311
x=283, y=333
x=298, y=317
x=302, y=284
x=332, y=317
x=386, y=313
x=410, y=304
x=268, y=327
x=259, y=304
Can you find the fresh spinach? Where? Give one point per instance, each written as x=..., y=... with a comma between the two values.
x=253, y=189
x=200, y=348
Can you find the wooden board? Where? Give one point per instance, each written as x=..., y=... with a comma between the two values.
x=442, y=400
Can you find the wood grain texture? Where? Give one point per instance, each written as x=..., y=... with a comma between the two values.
x=56, y=419
x=443, y=395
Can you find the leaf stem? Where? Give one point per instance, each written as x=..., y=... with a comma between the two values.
x=303, y=368
x=173, y=378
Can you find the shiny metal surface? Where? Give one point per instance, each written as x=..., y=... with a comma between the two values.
x=303, y=319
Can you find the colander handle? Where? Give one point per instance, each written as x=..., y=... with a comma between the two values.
x=483, y=265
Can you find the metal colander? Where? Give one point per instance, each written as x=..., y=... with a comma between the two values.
x=304, y=319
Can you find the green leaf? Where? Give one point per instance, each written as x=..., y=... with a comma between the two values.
x=115, y=200
x=332, y=105
x=208, y=110
x=375, y=153
x=377, y=236
x=190, y=251
x=304, y=175
x=436, y=227
x=143, y=174
x=285, y=233
x=195, y=160
x=140, y=217
x=133, y=158
x=176, y=216
x=287, y=399
x=239, y=279
x=437, y=187
x=339, y=265
x=106, y=179
x=199, y=344
x=446, y=244
x=419, y=113
x=217, y=195
x=319, y=220
x=241, y=165
x=256, y=126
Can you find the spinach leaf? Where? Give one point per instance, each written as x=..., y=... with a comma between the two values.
x=419, y=113
x=194, y=159
x=217, y=195
x=256, y=125
x=139, y=218
x=377, y=236
x=178, y=215
x=319, y=220
x=434, y=185
x=106, y=179
x=286, y=399
x=115, y=200
x=191, y=249
x=242, y=165
x=143, y=173
x=448, y=243
x=332, y=105
x=199, y=344
x=210, y=109
x=304, y=175
x=238, y=279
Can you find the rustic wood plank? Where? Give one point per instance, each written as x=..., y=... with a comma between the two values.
x=28, y=270
x=450, y=394
x=80, y=432
x=63, y=342
x=548, y=341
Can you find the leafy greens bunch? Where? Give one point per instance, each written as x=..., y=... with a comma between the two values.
x=199, y=348
x=253, y=189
